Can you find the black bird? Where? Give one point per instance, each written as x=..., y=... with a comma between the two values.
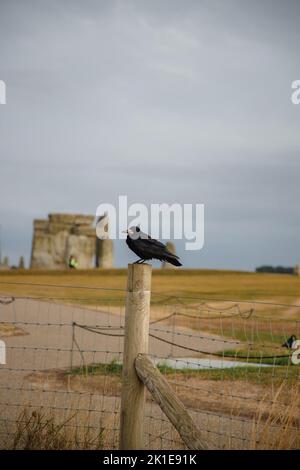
x=289, y=342
x=147, y=248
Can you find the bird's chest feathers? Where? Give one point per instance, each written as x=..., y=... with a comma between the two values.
x=138, y=247
x=132, y=244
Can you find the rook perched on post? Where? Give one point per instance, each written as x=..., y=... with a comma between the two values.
x=147, y=248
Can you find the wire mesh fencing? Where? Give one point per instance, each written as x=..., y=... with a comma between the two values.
x=61, y=384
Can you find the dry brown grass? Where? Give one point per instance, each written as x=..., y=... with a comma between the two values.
x=40, y=430
x=272, y=414
x=196, y=390
x=277, y=428
x=7, y=330
x=108, y=385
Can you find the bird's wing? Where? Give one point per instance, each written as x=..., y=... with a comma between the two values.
x=161, y=245
x=148, y=241
x=157, y=248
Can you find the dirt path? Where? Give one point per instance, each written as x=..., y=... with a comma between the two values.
x=293, y=312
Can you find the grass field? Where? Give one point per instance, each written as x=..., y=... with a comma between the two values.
x=207, y=284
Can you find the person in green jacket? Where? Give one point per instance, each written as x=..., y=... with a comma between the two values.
x=73, y=263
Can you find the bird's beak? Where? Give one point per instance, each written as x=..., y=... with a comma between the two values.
x=129, y=231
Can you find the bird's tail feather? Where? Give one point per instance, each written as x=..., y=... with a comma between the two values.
x=172, y=259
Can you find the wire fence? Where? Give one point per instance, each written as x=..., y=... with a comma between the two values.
x=225, y=359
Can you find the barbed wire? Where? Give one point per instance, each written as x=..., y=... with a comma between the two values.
x=179, y=333
x=219, y=299
x=187, y=348
x=178, y=298
x=244, y=315
x=62, y=286
x=97, y=329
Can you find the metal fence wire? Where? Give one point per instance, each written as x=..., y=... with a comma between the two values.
x=60, y=386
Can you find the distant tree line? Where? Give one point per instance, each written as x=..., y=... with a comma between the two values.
x=275, y=269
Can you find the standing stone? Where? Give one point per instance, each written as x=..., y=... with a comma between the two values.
x=5, y=264
x=297, y=270
x=104, y=246
x=21, y=262
x=48, y=246
x=104, y=253
x=82, y=248
x=171, y=248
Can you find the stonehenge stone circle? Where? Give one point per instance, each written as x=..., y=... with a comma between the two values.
x=61, y=235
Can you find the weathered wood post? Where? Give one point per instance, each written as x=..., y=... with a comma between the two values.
x=169, y=403
x=137, y=314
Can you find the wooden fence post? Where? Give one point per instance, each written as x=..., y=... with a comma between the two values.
x=137, y=314
x=170, y=404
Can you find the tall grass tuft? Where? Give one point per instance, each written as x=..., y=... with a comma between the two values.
x=40, y=430
x=278, y=427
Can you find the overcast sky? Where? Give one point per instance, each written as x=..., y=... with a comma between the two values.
x=163, y=101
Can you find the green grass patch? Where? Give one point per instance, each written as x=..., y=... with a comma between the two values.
x=258, y=375
x=112, y=368
x=254, y=374
x=258, y=357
